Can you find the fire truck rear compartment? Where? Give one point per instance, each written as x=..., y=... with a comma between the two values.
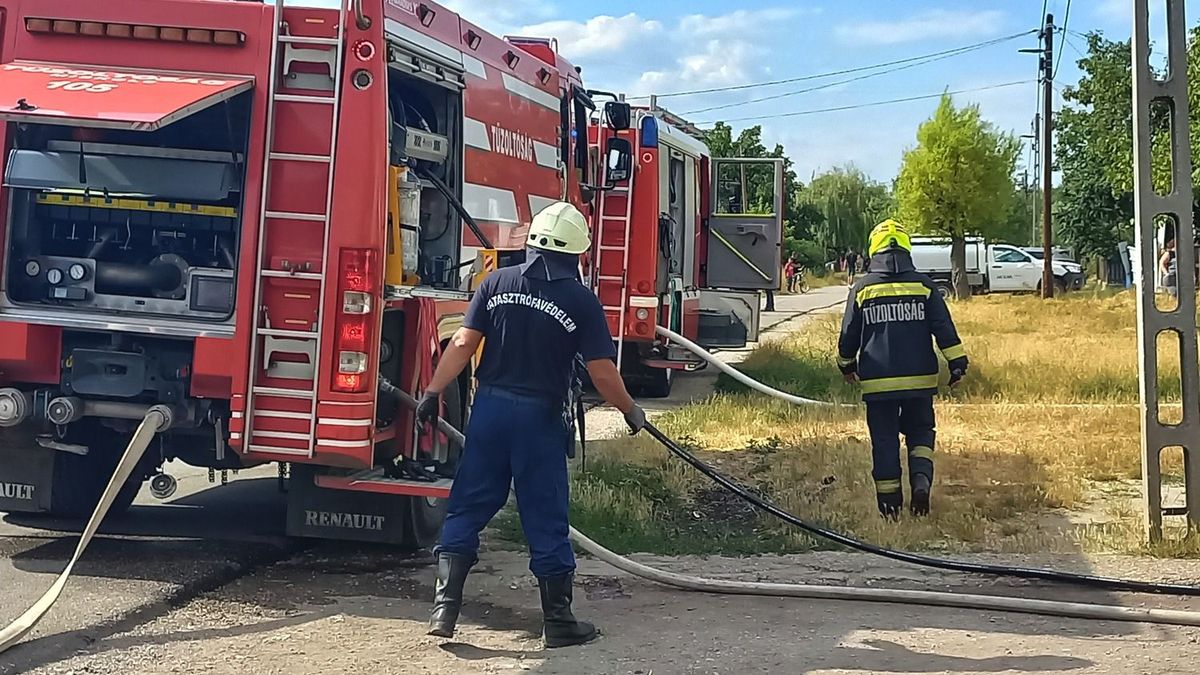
x=127, y=222
x=426, y=114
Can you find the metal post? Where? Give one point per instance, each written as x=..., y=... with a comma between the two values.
x=1047, y=161
x=1181, y=320
x=1037, y=167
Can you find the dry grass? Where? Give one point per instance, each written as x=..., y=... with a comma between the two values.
x=1013, y=463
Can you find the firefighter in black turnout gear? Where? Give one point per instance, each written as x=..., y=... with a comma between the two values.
x=893, y=316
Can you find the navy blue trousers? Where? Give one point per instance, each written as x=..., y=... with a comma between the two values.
x=887, y=420
x=518, y=440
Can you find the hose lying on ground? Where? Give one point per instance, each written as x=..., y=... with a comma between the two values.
x=850, y=542
x=738, y=375
x=153, y=423
x=930, y=598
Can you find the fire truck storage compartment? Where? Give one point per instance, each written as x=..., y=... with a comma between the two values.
x=128, y=222
x=728, y=319
x=426, y=118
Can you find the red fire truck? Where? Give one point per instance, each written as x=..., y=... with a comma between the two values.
x=684, y=241
x=245, y=215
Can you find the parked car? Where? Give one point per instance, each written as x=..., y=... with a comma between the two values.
x=992, y=268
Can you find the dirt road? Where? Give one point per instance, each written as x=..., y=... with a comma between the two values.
x=363, y=612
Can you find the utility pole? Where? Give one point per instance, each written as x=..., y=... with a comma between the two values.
x=1047, y=161
x=1037, y=168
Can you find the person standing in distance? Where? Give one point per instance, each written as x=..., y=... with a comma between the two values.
x=536, y=318
x=893, y=316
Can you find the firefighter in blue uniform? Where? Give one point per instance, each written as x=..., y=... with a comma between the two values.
x=893, y=316
x=536, y=319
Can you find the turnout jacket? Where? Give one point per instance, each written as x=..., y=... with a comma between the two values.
x=893, y=316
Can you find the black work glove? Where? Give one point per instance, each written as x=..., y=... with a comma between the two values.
x=429, y=408
x=958, y=370
x=636, y=419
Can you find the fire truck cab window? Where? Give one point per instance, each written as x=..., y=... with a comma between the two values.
x=744, y=188
x=124, y=222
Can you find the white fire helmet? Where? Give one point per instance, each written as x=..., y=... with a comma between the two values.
x=561, y=228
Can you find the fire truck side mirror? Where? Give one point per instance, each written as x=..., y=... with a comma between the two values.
x=619, y=161
x=618, y=115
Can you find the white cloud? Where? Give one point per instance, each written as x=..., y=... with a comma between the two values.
x=720, y=63
x=929, y=25
x=502, y=16
x=638, y=55
x=740, y=23
x=599, y=35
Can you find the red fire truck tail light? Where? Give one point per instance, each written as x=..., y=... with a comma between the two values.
x=202, y=36
x=355, y=321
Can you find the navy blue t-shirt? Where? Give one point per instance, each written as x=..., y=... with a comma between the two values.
x=532, y=331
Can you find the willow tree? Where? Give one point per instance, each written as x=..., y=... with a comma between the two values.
x=957, y=182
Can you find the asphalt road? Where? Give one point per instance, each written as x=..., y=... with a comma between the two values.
x=156, y=554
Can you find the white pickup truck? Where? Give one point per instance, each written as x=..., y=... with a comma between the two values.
x=994, y=268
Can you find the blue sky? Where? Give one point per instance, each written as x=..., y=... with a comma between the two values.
x=673, y=45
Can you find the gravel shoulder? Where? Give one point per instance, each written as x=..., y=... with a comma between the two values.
x=339, y=611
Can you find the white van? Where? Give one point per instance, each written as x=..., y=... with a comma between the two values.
x=1004, y=268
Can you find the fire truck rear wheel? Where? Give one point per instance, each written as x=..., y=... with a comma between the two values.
x=427, y=515
x=79, y=480
x=659, y=382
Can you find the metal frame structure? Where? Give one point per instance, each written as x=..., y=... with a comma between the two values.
x=1150, y=206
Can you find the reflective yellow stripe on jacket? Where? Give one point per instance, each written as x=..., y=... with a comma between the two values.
x=889, y=384
x=954, y=352
x=904, y=289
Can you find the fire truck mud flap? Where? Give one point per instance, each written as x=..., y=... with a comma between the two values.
x=156, y=421
x=346, y=514
x=26, y=473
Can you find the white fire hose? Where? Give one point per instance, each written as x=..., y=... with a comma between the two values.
x=155, y=421
x=1074, y=610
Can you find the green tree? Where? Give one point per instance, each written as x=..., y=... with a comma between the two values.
x=850, y=205
x=958, y=181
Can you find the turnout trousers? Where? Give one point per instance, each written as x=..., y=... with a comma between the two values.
x=887, y=420
x=522, y=441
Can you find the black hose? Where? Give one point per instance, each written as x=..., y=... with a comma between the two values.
x=118, y=278
x=1088, y=580
x=458, y=206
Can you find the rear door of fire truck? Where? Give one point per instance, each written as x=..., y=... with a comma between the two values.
x=741, y=245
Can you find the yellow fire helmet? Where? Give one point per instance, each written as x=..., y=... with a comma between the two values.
x=889, y=234
x=561, y=228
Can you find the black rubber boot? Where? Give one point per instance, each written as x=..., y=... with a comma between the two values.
x=890, y=505
x=920, y=494
x=448, y=593
x=561, y=629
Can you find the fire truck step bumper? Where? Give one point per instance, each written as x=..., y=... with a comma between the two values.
x=375, y=481
x=366, y=507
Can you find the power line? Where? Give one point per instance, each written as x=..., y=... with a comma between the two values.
x=827, y=85
x=1067, y=41
x=1066, y=20
x=847, y=71
x=872, y=104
